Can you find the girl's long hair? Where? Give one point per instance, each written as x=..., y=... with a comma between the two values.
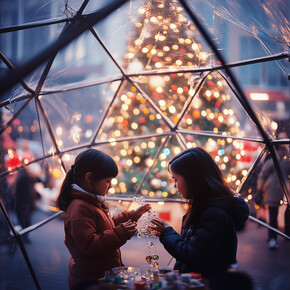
x=90, y=160
x=204, y=180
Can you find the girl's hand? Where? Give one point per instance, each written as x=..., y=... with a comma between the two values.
x=142, y=209
x=158, y=226
x=130, y=227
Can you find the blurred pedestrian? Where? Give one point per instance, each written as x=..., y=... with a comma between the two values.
x=92, y=236
x=269, y=186
x=26, y=196
x=208, y=240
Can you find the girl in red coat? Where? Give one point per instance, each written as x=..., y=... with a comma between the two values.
x=92, y=236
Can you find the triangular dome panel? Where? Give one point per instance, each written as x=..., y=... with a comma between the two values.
x=24, y=143
x=263, y=180
x=73, y=124
x=85, y=51
x=215, y=108
x=160, y=36
x=131, y=115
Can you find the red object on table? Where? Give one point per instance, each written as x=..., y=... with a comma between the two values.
x=139, y=285
x=164, y=215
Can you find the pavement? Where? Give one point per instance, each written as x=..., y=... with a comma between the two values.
x=268, y=269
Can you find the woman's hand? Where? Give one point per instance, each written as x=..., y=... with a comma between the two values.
x=142, y=209
x=130, y=227
x=158, y=226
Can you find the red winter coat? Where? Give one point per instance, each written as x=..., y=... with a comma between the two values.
x=93, y=239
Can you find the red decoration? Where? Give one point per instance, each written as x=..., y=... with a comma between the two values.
x=142, y=120
x=149, y=259
x=250, y=146
x=164, y=215
x=217, y=104
x=89, y=118
x=196, y=114
x=246, y=158
x=13, y=162
x=125, y=123
x=16, y=122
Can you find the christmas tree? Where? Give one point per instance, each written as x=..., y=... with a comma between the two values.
x=167, y=108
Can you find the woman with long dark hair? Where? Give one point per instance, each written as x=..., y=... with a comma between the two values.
x=92, y=236
x=208, y=240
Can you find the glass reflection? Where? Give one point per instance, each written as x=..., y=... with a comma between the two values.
x=26, y=138
x=71, y=123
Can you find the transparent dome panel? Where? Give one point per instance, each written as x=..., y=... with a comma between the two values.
x=234, y=157
x=30, y=190
x=15, y=91
x=159, y=36
x=214, y=107
x=267, y=92
x=26, y=137
x=248, y=188
x=74, y=124
x=82, y=62
x=134, y=159
x=34, y=11
x=158, y=182
x=33, y=80
x=260, y=22
x=52, y=177
x=33, y=42
x=130, y=115
x=93, y=6
x=264, y=179
x=24, y=87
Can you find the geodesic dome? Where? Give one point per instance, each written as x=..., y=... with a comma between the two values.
x=142, y=81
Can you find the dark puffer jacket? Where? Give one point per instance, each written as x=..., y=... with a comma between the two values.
x=208, y=246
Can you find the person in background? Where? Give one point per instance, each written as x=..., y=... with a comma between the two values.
x=92, y=236
x=269, y=185
x=208, y=241
x=26, y=195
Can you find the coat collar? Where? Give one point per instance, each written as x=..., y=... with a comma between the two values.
x=75, y=187
x=90, y=198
